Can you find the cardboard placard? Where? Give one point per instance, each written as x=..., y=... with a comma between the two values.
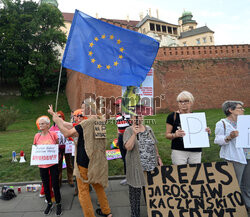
x=100, y=129
x=243, y=126
x=194, y=126
x=44, y=154
x=198, y=190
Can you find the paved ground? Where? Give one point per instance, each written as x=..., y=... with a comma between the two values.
x=28, y=204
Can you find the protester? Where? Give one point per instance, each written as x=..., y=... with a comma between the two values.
x=142, y=155
x=122, y=122
x=181, y=155
x=78, y=117
x=62, y=142
x=42, y=193
x=92, y=166
x=46, y=137
x=225, y=136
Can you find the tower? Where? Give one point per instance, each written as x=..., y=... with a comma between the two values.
x=52, y=2
x=186, y=23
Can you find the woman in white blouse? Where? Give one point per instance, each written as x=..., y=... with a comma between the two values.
x=225, y=136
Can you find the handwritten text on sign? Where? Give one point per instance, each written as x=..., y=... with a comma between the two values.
x=68, y=147
x=194, y=125
x=200, y=190
x=100, y=129
x=44, y=154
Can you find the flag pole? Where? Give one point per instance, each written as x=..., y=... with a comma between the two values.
x=58, y=87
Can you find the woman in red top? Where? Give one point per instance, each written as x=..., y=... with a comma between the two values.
x=42, y=138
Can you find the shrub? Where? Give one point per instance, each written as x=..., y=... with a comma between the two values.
x=7, y=116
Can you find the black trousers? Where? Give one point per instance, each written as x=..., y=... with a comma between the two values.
x=134, y=199
x=44, y=173
x=122, y=150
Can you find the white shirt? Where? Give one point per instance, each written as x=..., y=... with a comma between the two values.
x=228, y=150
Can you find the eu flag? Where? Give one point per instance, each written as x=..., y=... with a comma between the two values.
x=107, y=52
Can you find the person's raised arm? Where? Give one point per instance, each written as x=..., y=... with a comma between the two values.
x=68, y=125
x=60, y=123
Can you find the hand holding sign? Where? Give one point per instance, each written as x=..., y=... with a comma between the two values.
x=179, y=133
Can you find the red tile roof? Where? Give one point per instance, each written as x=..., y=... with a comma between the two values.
x=125, y=22
x=68, y=16
x=133, y=23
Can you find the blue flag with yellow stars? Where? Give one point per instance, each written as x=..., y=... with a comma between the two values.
x=107, y=52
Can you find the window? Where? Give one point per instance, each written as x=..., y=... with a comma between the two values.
x=158, y=28
x=198, y=41
x=164, y=29
x=211, y=38
x=144, y=31
x=170, y=30
x=191, y=27
x=204, y=40
x=175, y=31
x=152, y=26
x=184, y=43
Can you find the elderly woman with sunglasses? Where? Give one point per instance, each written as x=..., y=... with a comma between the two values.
x=225, y=136
x=181, y=155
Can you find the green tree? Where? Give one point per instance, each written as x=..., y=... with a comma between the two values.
x=30, y=39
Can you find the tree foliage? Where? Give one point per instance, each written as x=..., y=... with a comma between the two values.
x=30, y=39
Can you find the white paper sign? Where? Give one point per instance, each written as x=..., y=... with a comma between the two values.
x=194, y=126
x=44, y=154
x=243, y=126
x=73, y=149
x=68, y=147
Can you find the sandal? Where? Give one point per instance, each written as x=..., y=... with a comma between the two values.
x=99, y=212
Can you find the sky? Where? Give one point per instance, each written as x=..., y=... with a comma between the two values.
x=229, y=19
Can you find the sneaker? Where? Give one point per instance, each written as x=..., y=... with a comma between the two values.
x=58, y=209
x=48, y=210
x=123, y=182
x=41, y=195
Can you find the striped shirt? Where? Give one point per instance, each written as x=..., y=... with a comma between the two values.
x=122, y=122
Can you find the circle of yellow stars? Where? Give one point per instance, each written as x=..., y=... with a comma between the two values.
x=120, y=55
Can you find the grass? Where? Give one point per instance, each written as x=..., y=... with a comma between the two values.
x=19, y=136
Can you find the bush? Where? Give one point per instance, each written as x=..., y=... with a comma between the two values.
x=7, y=116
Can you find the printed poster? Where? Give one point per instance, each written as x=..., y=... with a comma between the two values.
x=44, y=154
x=141, y=99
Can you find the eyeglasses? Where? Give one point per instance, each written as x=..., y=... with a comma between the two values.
x=183, y=101
x=79, y=116
x=241, y=108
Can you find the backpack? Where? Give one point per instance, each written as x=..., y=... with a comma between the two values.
x=7, y=193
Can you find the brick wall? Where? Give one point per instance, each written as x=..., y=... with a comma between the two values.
x=212, y=73
x=211, y=81
x=199, y=52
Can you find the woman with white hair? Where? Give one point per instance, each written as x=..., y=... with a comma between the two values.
x=181, y=155
x=225, y=136
x=42, y=138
